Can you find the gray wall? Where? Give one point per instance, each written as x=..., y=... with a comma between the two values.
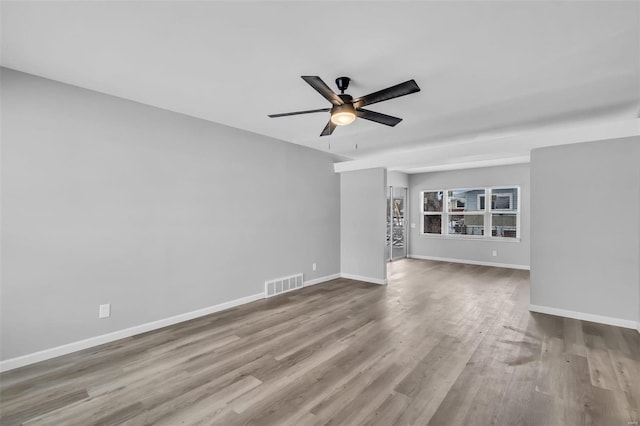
x=398, y=179
x=109, y=201
x=510, y=253
x=362, y=223
x=584, y=218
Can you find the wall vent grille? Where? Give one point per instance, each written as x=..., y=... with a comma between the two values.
x=282, y=285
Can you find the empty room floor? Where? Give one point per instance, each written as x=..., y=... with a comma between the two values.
x=442, y=344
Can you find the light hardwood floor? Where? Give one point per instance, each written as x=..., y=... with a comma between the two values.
x=442, y=344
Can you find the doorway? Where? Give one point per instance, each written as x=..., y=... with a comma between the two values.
x=396, y=223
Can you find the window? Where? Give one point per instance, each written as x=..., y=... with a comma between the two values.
x=432, y=202
x=500, y=201
x=504, y=212
x=462, y=212
x=465, y=224
x=465, y=216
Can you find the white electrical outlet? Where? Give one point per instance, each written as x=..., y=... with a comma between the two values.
x=494, y=253
x=413, y=225
x=314, y=266
x=104, y=311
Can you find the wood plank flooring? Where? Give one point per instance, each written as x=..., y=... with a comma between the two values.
x=442, y=344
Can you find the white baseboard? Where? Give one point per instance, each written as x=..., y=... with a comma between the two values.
x=43, y=355
x=471, y=262
x=32, y=358
x=363, y=278
x=618, y=322
x=321, y=280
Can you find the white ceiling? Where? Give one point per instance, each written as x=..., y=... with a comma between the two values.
x=487, y=69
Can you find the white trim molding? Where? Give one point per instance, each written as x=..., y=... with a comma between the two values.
x=471, y=262
x=601, y=319
x=43, y=355
x=321, y=280
x=363, y=278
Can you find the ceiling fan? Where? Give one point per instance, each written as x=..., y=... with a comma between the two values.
x=345, y=109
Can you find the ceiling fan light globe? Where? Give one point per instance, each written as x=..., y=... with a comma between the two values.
x=344, y=114
x=343, y=118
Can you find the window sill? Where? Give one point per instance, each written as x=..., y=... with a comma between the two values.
x=471, y=238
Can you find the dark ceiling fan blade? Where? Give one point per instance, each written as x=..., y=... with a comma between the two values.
x=285, y=114
x=328, y=129
x=322, y=88
x=396, y=91
x=378, y=117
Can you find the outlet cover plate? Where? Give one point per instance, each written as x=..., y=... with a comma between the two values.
x=104, y=311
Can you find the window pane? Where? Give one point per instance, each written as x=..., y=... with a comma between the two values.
x=504, y=225
x=465, y=200
x=432, y=224
x=504, y=199
x=468, y=224
x=433, y=201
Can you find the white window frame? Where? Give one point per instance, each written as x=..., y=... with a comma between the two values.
x=464, y=213
x=487, y=212
x=440, y=213
x=490, y=212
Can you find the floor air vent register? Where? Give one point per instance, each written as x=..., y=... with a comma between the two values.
x=282, y=285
